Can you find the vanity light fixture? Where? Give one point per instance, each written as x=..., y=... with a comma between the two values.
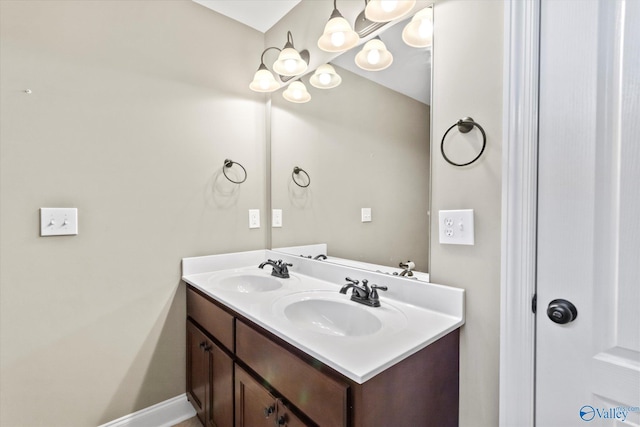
x=297, y=92
x=374, y=56
x=387, y=10
x=419, y=32
x=289, y=62
x=325, y=77
x=338, y=36
x=263, y=79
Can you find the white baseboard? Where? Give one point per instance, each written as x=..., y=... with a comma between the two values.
x=164, y=414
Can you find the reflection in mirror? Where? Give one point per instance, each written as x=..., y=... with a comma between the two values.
x=363, y=146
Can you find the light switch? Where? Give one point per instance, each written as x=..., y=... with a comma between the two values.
x=58, y=221
x=366, y=214
x=276, y=218
x=254, y=218
x=456, y=227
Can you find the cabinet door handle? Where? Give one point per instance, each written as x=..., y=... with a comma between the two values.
x=269, y=410
x=203, y=346
x=282, y=420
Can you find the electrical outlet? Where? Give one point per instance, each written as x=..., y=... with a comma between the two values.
x=254, y=218
x=276, y=218
x=58, y=221
x=366, y=214
x=456, y=227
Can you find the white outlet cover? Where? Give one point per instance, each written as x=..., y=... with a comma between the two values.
x=58, y=222
x=456, y=227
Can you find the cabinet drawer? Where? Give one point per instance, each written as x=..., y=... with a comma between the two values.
x=212, y=318
x=320, y=397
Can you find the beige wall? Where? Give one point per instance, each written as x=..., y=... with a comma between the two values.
x=135, y=105
x=468, y=82
x=364, y=146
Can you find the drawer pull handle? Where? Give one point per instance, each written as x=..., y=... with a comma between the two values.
x=269, y=410
x=205, y=347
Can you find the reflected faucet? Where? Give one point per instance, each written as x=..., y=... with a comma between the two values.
x=279, y=268
x=363, y=294
x=407, y=267
x=321, y=256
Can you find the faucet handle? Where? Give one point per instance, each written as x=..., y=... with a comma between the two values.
x=374, y=291
x=348, y=279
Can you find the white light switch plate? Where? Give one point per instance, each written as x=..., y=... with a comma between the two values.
x=276, y=218
x=58, y=221
x=254, y=218
x=366, y=214
x=456, y=227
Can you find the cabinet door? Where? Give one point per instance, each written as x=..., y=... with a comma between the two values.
x=197, y=370
x=209, y=379
x=220, y=412
x=255, y=406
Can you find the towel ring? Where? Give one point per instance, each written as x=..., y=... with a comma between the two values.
x=464, y=126
x=296, y=171
x=227, y=164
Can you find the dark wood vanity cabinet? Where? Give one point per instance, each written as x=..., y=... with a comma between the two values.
x=257, y=407
x=209, y=365
x=240, y=374
x=209, y=379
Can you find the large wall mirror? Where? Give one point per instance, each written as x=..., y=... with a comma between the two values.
x=364, y=144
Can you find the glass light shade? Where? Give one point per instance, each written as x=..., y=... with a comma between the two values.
x=387, y=10
x=289, y=63
x=338, y=35
x=297, y=92
x=263, y=81
x=325, y=77
x=419, y=32
x=374, y=56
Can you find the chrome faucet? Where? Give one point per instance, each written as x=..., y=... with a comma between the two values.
x=407, y=267
x=279, y=268
x=321, y=256
x=363, y=294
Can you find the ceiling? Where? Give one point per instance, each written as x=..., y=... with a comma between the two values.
x=258, y=14
x=406, y=75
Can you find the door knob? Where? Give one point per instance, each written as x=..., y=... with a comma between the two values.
x=562, y=311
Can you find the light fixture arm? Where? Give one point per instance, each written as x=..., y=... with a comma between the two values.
x=265, y=51
x=289, y=40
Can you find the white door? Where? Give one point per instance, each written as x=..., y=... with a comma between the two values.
x=588, y=370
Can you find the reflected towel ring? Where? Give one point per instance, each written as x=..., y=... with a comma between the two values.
x=464, y=126
x=227, y=164
x=296, y=171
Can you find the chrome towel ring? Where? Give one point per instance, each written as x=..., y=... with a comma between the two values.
x=297, y=171
x=227, y=164
x=464, y=126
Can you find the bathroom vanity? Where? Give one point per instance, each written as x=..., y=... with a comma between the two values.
x=265, y=351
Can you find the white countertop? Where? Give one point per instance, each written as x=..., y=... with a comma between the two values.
x=415, y=318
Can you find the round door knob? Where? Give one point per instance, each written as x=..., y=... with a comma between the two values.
x=562, y=311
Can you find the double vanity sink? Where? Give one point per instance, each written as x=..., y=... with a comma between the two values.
x=306, y=313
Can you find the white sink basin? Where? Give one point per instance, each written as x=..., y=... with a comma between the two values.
x=246, y=283
x=332, y=317
x=332, y=313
